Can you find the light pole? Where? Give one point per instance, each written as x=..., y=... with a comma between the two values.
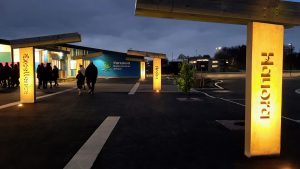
x=290, y=58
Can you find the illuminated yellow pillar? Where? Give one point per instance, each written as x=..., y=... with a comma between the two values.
x=143, y=70
x=263, y=89
x=157, y=74
x=27, y=75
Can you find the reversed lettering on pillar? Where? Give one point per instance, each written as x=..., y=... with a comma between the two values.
x=27, y=75
x=156, y=74
x=266, y=85
x=263, y=89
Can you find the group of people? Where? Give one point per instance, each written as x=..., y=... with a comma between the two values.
x=46, y=74
x=89, y=75
x=9, y=75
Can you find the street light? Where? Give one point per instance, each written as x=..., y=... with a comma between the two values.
x=290, y=59
x=218, y=48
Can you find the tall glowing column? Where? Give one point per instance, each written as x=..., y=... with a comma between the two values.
x=27, y=75
x=156, y=74
x=263, y=89
x=143, y=70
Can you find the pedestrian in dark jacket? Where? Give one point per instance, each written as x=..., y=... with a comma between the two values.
x=80, y=81
x=1, y=75
x=40, y=75
x=15, y=75
x=55, y=75
x=48, y=74
x=7, y=75
x=91, y=73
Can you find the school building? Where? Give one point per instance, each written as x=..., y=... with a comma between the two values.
x=67, y=58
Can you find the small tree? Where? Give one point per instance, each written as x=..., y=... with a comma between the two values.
x=186, y=77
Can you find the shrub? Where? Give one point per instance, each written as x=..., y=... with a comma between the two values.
x=185, y=78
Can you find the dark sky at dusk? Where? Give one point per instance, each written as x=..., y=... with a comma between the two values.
x=111, y=25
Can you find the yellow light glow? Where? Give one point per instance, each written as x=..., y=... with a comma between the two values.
x=78, y=63
x=5, y=48
x=156, y=74
x=263, y=89
x=27, y=75
x=20, y=105
x=143, y=70
x=86, y=63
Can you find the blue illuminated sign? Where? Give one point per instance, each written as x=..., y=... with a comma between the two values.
x=115, y=65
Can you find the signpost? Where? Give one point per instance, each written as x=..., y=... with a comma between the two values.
x=156, y=66
x=27, y=75
x=157, y=74
x=266, y=21
x=263, y=89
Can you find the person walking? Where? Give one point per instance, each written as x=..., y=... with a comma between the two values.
x=1, y=75
x=82, y=70
x=15, y=75
x=7, y=75
x=48, y=74
x=40, y=75
x=91, y=74
x=55, y=75
x=80, y=81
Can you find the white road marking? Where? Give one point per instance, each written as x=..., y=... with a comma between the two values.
x=231, y=101
x=296, y=121
x=56, y=93
x=293, y=120
x=297, y=91
x=221, y=91
x=134, y=88
x=217, y=84
x=40, y=97
x=196, y=91
x=9, y=105
x=87, y=154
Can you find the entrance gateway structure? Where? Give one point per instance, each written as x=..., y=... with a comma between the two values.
x=265, y=20
x=156, y=66
x=27, y=60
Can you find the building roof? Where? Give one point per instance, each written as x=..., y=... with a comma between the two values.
x=4, y=42
x=90, y=49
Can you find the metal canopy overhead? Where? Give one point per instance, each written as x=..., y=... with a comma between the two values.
x=223, y=11
x=46, y=40
x=146, y=54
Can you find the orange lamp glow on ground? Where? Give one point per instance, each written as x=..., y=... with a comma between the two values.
x=263, y=89
x=27, y=75
x=143, y=70
x=156, y=74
